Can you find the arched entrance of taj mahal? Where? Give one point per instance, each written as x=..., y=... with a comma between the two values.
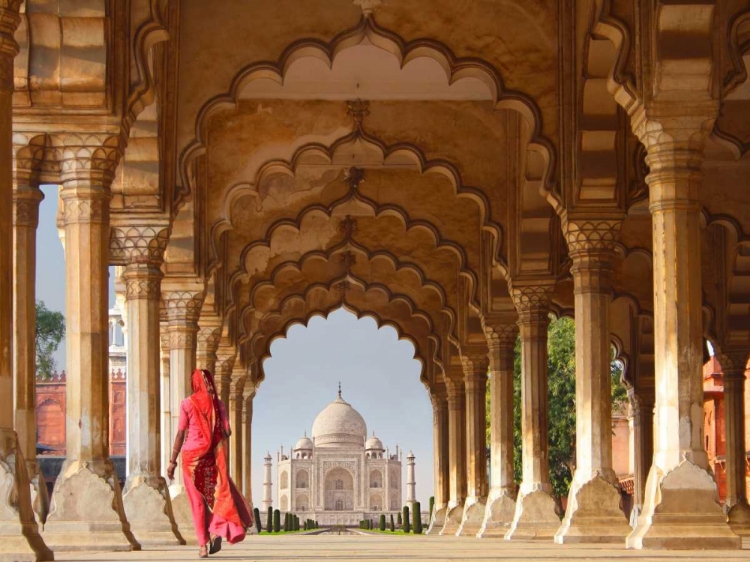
x=457, y=171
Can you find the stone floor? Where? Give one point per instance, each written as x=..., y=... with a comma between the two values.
x=397, y=548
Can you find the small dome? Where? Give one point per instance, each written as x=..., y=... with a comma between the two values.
x=304, y=444
x=373, y=443
x=339, y=425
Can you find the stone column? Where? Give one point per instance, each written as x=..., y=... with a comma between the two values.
x=184, y=302
x=145, y=497
x=226, y=356
x=440, y=458
x=680, y=508
x=209, y=336
x=456, y=451
x=247, y=443
x=535, y=516
x=501, y=503
x=236, y=402
x=475, y=382
x=411, y=481
x=87, y=510
x=19, y=537
x=594, y=512
x=26, y=201
x=642, y=409
x=165, y=426
x=733, y=365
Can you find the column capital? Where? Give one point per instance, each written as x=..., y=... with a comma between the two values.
x=532, y=301
x=671, y=122
x=209, y=338
x=733, y=364
x=138, y=244
x=85, y=205
x=500, y=335
x=183, y=305
x=591, y=238
x=475, y=365
x=26, y=206
x=87, y=159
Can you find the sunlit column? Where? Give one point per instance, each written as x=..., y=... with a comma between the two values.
x=247, y=444
x=19, y=537
x=236, y=403
x=441, y=468
x=456, y=449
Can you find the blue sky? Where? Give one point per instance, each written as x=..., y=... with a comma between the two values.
x=378, y=374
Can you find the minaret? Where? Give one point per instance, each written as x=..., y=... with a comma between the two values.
x=411, y=482
x=267, y=485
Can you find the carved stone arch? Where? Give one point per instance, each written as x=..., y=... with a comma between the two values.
x=300, y=309
x=367, y=30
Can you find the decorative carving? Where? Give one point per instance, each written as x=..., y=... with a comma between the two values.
x=91, y=157
x=638, y=187
x=183, y=306
x=532, y=297
x=89, y=210
x=9, y=20
x=600, y=235
x=329, y=465
x=342, y=287
x=348, y=260
x=138, y=244
x=181, y=338
x=26, y=207
x=209, y=338
x=475, y=366
x=358, y=109
x=734, y=363
x=142, y=286
x=348, y=226
x=354, y=176
x=369, y=7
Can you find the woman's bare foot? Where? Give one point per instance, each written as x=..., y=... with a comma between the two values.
x=203, y=552
x=215, y=545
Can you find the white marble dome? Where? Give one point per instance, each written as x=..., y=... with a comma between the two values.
x=374, y=444
x=339, y=425
x=304, y=444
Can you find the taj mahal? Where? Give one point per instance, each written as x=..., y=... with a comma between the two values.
x=339, y=476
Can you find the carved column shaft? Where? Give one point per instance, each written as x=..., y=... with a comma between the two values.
x=236, y=403
x=25, y=221
x=19, y=537
x=208, y=343
x=475, y=383
x=733, y=367
x=642, y=408
x=440, y=441
x=457, y=443
x=165, y=423
x=247, y=448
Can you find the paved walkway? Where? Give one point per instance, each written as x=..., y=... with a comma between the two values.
x=382, y=548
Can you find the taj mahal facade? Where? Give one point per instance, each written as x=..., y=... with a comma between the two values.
x=339, y=476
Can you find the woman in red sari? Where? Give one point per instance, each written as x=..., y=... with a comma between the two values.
x=219, y=510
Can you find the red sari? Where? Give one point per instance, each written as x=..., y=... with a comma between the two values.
x=218, y=507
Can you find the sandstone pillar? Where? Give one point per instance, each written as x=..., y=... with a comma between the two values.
x=535, y=516
x=87, y=510
x=247, y=443
x=501, y=503
x=594, y=512
x=734, y=365
x=226, y=356
x=680, y=508
x=165, y=424
x=642, y=410
x=19, y=537
x=26, y=201
x=146, y=496
x=184, y=300
x=440, y=459
x=236, y=403
x=209, y=336
x=456, y=452
x=475, y=382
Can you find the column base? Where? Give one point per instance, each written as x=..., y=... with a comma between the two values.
x=472, y=518
x=498, y=515
x=453, y=517
x=535, y=518
x=183, y=515
x=19, y=533
x=39, y=494
x=681, y=512
x=86, y=511
x=149, y=511
x=738, y=518
x=438, y=519
x=594, y=514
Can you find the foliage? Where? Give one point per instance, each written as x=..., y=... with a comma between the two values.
x=400, y=520
x=561, y=413
x=256, y=514
x=269, y=520
x=276, y=521
x=393, y=526
x=407, y=525
x=432, y=505
x=50, y=331
x=417, y=518
x=381, y=523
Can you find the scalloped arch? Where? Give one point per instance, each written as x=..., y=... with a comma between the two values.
x=368, y=30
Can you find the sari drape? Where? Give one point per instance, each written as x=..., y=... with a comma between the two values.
x=204, y=463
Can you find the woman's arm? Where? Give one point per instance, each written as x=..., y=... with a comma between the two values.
x=179, y=439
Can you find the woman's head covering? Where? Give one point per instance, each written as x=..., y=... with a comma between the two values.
x=205, y=400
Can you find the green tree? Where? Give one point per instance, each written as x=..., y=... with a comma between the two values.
x=50, y=331
x=561, y=403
